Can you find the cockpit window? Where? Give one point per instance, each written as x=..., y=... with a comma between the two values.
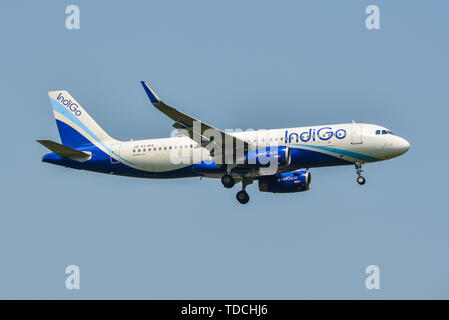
x=384, y=132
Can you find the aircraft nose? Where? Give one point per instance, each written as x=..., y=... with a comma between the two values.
x=402, y=146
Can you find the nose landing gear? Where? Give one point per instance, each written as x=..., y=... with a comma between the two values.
x=358, y=168
x=361, y=180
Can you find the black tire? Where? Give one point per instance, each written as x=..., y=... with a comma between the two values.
x=242, y=197
x=227, y=181
x=361, y=180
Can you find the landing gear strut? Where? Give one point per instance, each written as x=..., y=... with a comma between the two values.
x=228, y=181
x=358, y=168
x=242, y=196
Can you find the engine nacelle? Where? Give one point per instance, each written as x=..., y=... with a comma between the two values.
x=295, y=181
x=264, y=157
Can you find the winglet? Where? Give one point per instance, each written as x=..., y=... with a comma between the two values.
x=153, y=96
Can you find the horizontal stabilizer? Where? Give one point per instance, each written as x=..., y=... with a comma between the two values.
x=64, y=151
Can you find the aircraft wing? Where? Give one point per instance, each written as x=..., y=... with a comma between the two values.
x=194, y=126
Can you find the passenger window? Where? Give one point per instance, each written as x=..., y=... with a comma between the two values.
x=138, y=150
x=165, y=148
x=144, y=150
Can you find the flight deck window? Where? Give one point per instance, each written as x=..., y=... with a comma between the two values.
x=384, y=132
x=377, y=131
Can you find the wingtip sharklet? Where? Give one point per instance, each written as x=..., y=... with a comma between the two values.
x=151, y=94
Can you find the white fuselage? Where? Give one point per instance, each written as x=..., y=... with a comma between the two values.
x=351, y=142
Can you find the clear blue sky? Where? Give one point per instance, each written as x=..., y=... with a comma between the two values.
x=234, y=64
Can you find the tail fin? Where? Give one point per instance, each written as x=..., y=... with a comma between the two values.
x=76, y=127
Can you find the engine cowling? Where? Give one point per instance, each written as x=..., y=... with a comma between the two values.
x=264, y=157
x=295, y=181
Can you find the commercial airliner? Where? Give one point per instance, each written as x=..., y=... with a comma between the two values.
x=279, y=159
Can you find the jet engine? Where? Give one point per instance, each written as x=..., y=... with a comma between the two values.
x=295, y=181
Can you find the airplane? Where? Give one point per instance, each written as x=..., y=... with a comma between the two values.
x=279, y=159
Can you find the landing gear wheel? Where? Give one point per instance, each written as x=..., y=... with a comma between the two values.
x=358, y=169
x=242, y=197
x=228, y=181
x=361, y=180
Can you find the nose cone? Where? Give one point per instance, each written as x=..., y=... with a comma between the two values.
x=402, y=146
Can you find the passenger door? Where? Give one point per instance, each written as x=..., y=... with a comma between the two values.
x=116, y=152
x=356, y=134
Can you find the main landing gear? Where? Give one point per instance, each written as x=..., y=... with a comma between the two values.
x=358, y=168
x=228, y=181
x=242, y=196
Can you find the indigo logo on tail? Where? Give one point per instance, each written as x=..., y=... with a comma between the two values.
x=73, y=107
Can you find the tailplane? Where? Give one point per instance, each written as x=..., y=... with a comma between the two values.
x=66, y=152
x=76, y=127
